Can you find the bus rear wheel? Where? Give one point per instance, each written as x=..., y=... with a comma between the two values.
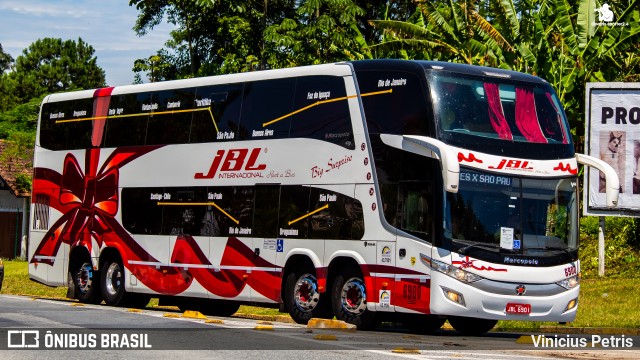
x=112, y=286
x=471, y=326
x=86, y=282
x=302, y=298
x=349, y=299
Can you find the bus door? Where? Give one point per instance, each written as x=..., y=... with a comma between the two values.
x=416, y=218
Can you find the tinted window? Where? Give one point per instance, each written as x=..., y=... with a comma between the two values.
x=266, y=109
x=171, y=122
x=216, y=113
x=183, y=212
x=336, y=216
x=401, y=108
x=66, y=125
x=294, y=212
x=265, y=222
x=323, y=111
x=141, y=213
x=406, y=183
x=230, y=211
x=127, y=121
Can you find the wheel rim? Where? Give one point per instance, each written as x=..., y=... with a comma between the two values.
x=354, y=296
x=84, y=278
x=113, y=278
x=305, y=293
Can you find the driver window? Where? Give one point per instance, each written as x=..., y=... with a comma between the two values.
x=416, y=204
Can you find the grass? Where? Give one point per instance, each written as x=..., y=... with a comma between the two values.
x=603, y=302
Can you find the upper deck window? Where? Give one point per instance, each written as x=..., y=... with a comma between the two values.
x=497, y=109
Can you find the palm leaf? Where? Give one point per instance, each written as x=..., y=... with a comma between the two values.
x=511, y=15
x=401, y=28
x=488, y=29
x=566, y=26
x=414, y=44
x=435, y=18
x=586, y=19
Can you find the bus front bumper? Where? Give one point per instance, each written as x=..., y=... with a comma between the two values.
x=452, y=297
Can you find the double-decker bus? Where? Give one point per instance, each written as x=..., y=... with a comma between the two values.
x=409, y=190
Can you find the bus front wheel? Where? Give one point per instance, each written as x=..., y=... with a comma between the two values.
x=349, y=299
x=471, y=326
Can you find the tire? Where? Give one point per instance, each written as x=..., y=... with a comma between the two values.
x=87, y=284
x=302, y=299
x=471, y=326
x=349, y=299
x=423, y=324
x=112, y=282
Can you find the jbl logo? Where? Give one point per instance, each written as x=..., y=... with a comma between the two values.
x=513, y=164
x=233, y=160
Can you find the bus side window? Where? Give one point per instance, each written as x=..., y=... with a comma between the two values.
x=335, y=216
x=172, y=125
x=57, y=133
x=400, y=108
x=293, y=220
x=324, y=111
x=141, y=213
x=266, y=109
x=265, y=211
x=127, y=124
x=216, y=113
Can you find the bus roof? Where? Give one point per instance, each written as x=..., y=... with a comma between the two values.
x=475, y=70
x=324, y=69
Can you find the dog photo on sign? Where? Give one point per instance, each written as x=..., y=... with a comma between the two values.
x=612, y=151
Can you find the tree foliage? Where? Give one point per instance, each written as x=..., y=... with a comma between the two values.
x=47, y=66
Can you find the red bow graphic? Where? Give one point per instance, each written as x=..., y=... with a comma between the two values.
x=88, y=200
x=91, y=198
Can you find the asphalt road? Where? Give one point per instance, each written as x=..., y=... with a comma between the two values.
x=68, y=330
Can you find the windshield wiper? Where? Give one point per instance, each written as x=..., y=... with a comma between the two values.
x=549, y=248
x=485, y=246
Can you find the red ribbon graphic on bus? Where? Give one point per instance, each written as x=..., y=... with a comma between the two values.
x=88, y=201
x=470, y=158
x=468, y=263
x=567, y=168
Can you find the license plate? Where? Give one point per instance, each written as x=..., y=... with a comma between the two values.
x=522, y=309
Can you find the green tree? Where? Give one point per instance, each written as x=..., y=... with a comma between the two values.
x=212, y=37
x=52, y=65
x=322, y=31
x=21, y=118
x=5, y=60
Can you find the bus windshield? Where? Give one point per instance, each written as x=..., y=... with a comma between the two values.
x=498, y=213
x=493, y=108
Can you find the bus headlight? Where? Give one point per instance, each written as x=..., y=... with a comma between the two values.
x=570, y=283
x=455, y=272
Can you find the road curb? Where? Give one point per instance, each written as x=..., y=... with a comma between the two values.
x=276, y=318
x=330, y=324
